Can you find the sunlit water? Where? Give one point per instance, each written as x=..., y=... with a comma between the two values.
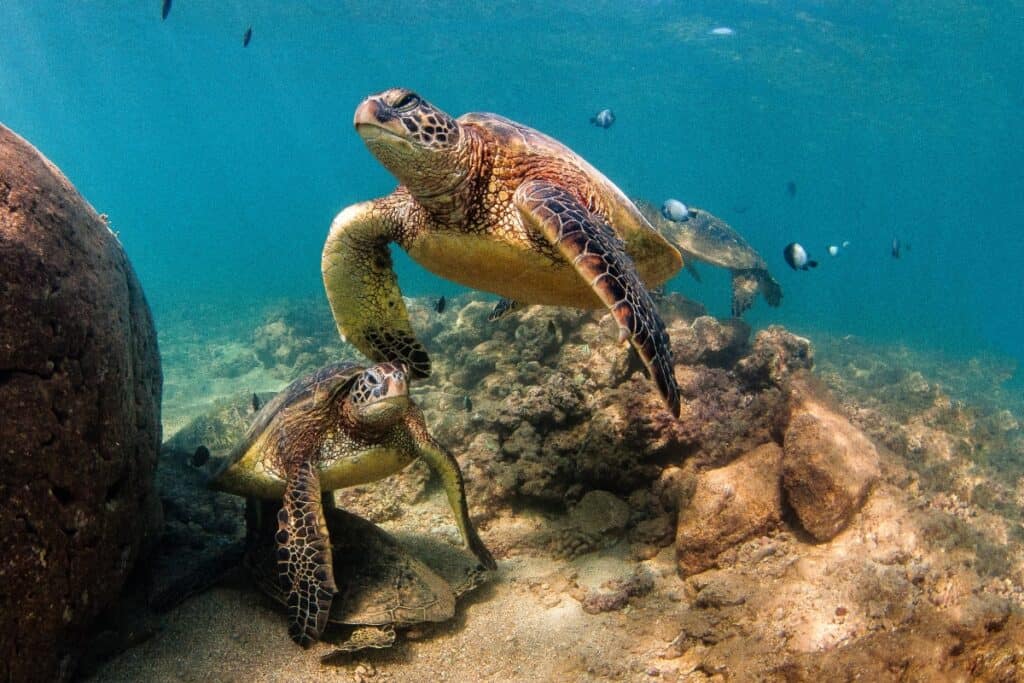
x=222, y=166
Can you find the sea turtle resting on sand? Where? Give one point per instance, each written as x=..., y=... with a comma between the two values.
x=705, y=237
x=494, y=205
x=340, y=426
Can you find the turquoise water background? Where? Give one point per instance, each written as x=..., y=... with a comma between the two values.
x=222, y=167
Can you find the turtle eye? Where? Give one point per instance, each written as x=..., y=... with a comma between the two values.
x=407, y=102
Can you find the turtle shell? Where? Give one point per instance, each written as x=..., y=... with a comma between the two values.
x=706, y=237
x=524, y=147
x=382, y=584
x=316, y=388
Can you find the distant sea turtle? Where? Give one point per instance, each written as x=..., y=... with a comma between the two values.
x=494, y=205
x=705, y=237
x=340, y=426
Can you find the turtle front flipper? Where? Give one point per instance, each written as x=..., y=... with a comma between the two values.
x=304, y=559
x=600, y=258
x=363, y=290
x=446, y=466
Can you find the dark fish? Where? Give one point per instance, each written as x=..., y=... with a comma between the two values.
x=247, y=38
x=552, y=328
x=791, y=188
x=166, y=9
x=896, y=248
x=603, y=119
x=202, y=453
x=467, y=403
x=501, y=309
x=796, y=257
x=256, y=403
x=439, y=306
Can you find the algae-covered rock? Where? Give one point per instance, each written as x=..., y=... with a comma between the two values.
x=729, y=505
x=828, y=470
x=600, y=512
x=775, y=355
x=80, y=387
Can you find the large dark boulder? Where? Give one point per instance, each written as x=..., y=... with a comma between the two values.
x=79, y=416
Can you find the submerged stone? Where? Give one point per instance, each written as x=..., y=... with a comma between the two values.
x=828, y=470
x=729, y=505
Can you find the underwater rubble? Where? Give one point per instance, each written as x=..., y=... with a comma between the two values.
x=811, y=516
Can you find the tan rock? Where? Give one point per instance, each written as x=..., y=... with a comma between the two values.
x=828, y=469
x=729, y=505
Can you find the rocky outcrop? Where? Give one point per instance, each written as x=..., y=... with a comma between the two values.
x=729, y=505
x=80, y=425
x=828, y=470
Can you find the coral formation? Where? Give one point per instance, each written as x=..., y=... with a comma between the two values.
x=857, y=522
x=80, y=424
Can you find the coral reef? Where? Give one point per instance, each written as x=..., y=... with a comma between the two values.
x=815, y=514
x=80, y=425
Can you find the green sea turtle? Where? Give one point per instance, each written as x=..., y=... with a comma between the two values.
x=707, y=238
x=494, y=205
x=342, y=425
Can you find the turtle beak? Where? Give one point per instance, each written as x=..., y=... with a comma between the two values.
x=369, y=112
x=373, y=119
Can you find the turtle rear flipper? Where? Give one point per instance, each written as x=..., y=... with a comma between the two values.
x=771, y=289
x=600, y=258
x=304, y=558
x=363, y=290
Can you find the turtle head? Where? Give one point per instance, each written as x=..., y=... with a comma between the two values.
x=416, y=141
x=380, y=395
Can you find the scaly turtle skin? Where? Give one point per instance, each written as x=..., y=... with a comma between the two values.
x=705, y=237
x=493, y=205
x=340, y=426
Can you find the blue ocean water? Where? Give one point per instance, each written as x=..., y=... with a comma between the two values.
x=222, y=166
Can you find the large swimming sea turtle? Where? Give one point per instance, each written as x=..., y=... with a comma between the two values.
x=340, y=426
x=494, y=205
x=706, y=237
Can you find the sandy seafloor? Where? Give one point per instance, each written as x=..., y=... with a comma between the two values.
x=925, y=584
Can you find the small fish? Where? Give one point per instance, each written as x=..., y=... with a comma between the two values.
x=722, y=31
x=166, y=9
x=256, y=403
x=202, y=453
x=467, y=403
x=552, y=328
x=833, y=250
x=603, y=119
x=675, y=211
x=791, y=188
x=439, y=305
x=895, y=248
x=796, y=257
x=247, y=38
x=846, y=244
x=501, y=309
